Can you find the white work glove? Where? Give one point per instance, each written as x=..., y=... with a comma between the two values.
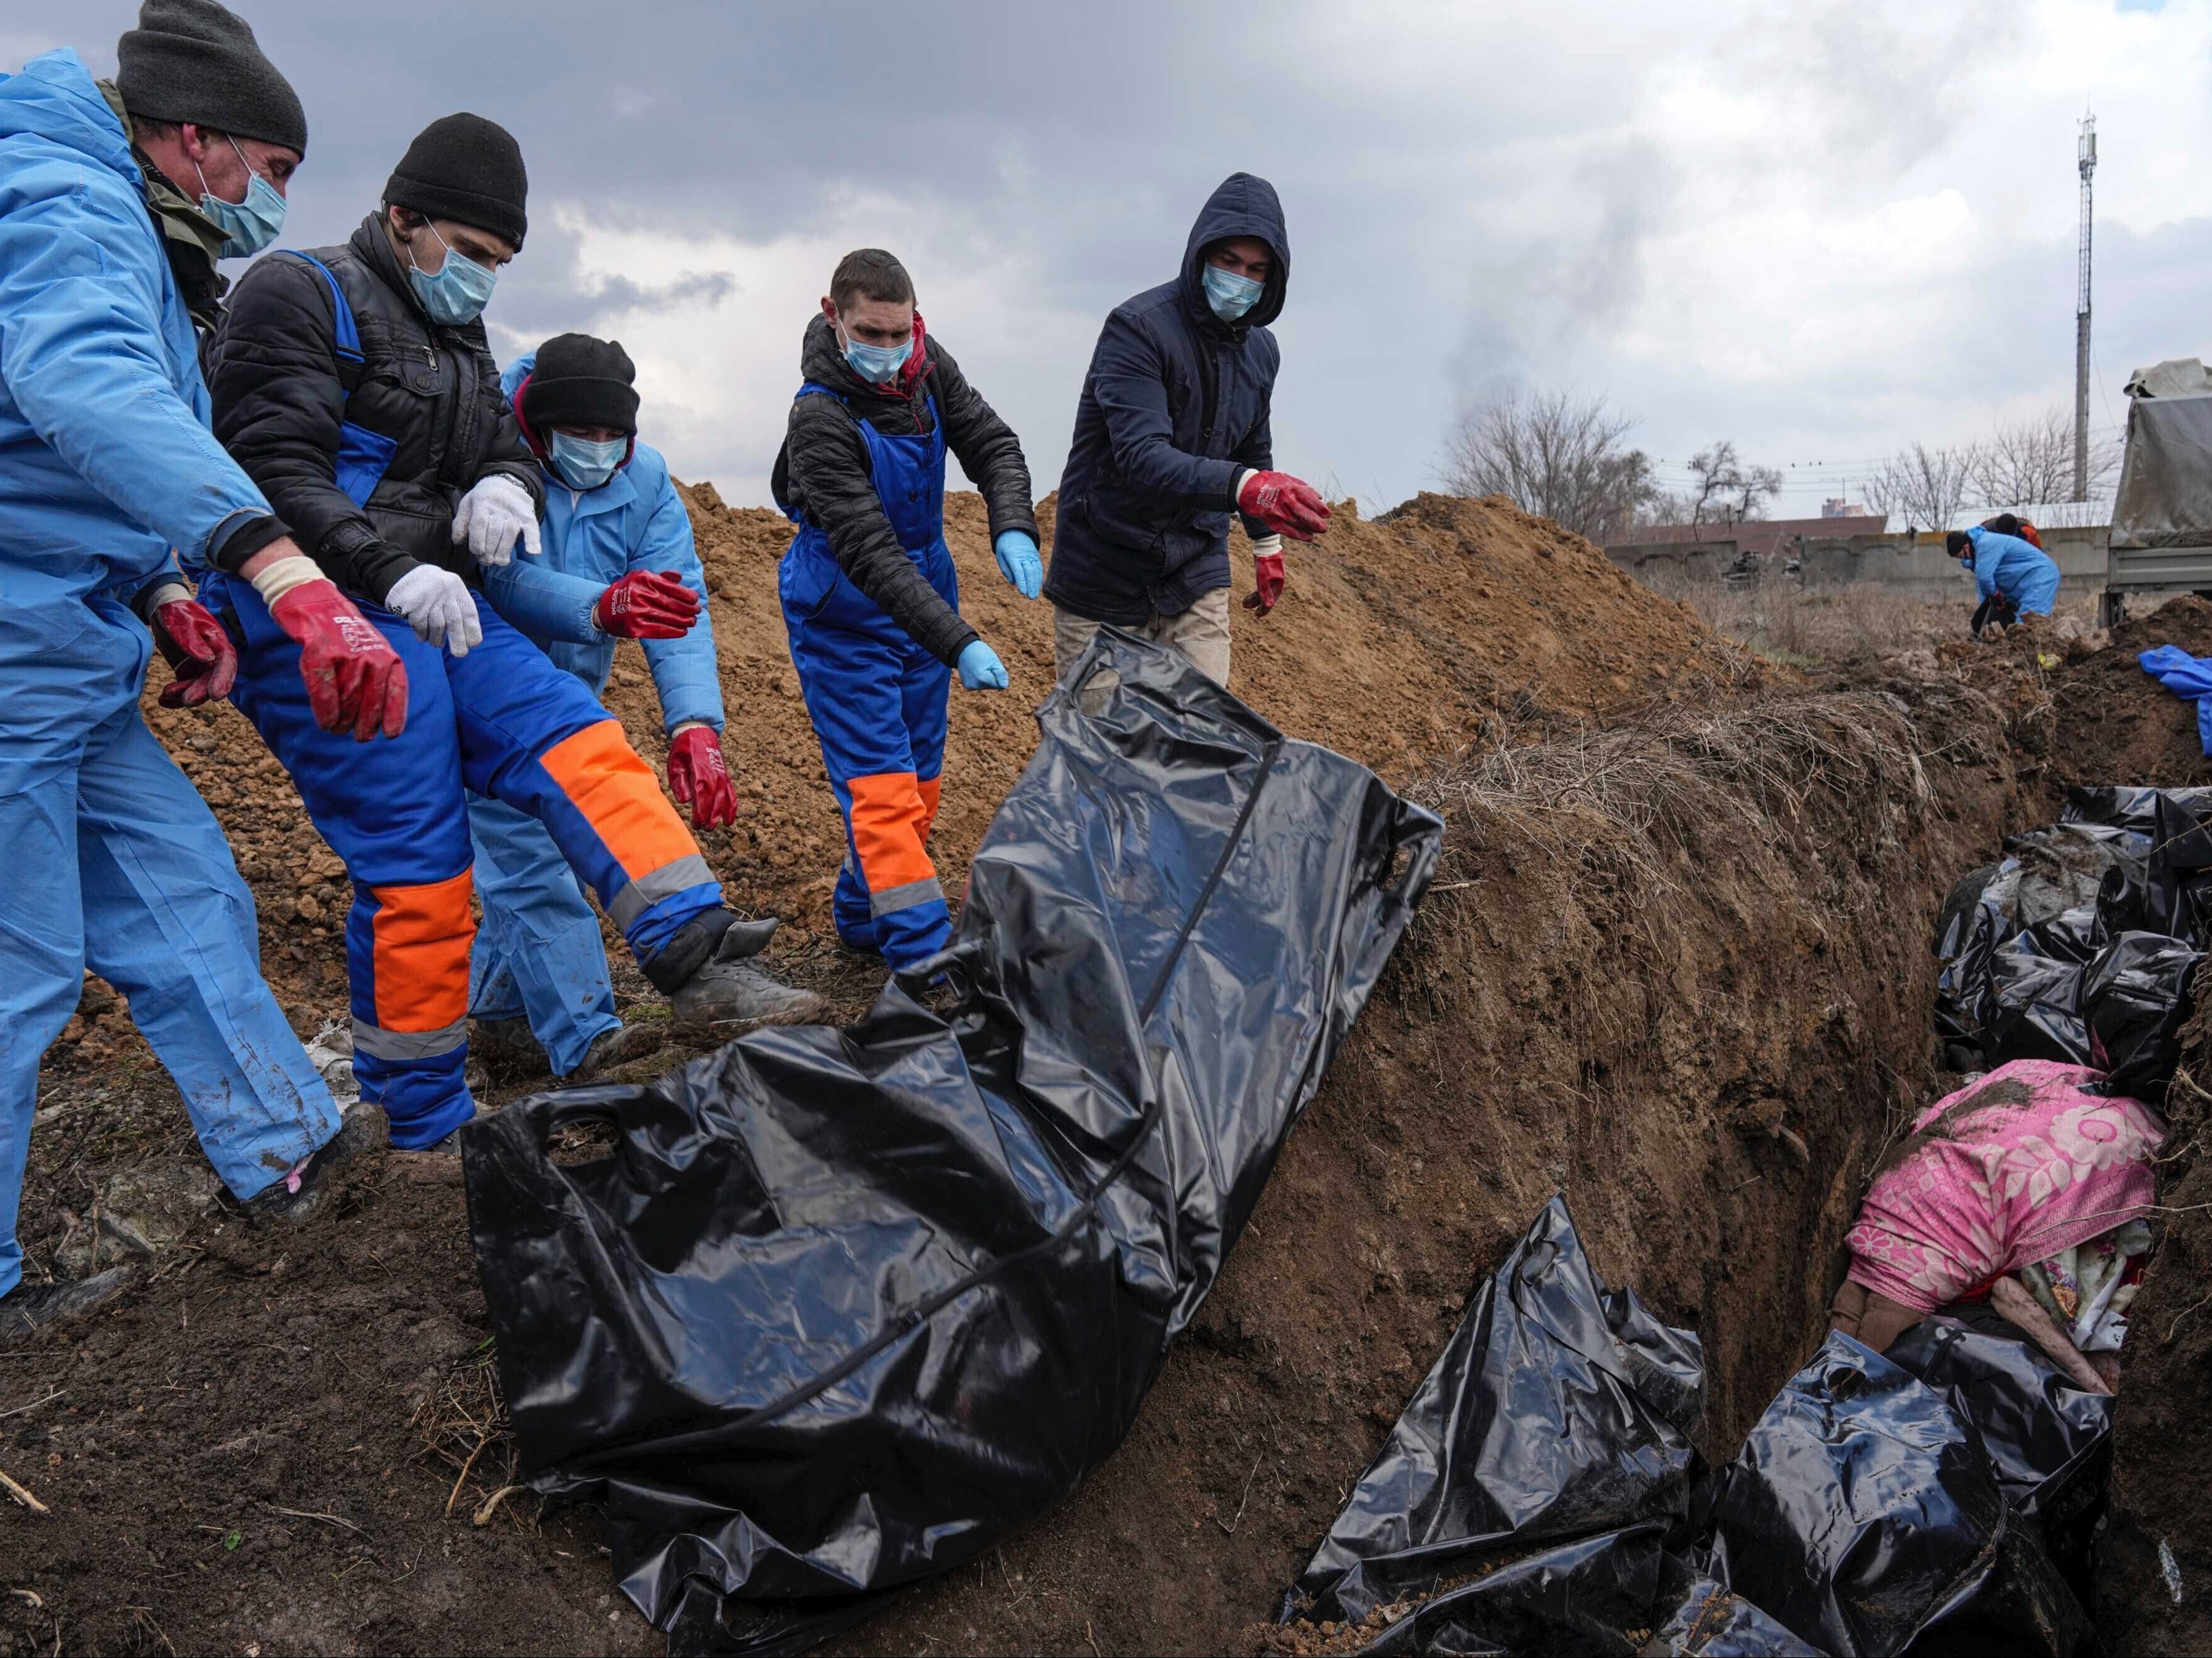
x=439, y=606
x=490, y=517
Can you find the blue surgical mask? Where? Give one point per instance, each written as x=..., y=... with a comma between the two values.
x=876, y=364
x=248, y=226
x=1230, y=295
x=459, y=291
x=582, y=464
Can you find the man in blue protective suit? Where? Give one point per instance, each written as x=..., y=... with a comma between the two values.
x=617, y=537
x=2013, y=577
x=106, y=463
x=1173, y=433
x=870, y=599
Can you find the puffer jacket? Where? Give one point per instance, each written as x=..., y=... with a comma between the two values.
x=434, y=390
x=823, y=474
x=1174, y=410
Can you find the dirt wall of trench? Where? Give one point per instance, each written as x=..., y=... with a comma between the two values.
x=1678, y=969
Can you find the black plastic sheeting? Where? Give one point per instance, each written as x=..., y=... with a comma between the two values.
x=844, y=1307
x=1540, y=1493
x=1864, y=1515
x=2049, y=1443
x=1557, y=1410
x=2083, y=943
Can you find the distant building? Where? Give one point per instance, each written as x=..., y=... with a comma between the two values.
x=1838, y=507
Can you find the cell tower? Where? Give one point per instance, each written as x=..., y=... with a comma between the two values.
x=2085, y=161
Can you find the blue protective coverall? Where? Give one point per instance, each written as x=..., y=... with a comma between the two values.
x=877, y=701
x=539, y=952
x=2019, y=569
x=106, y=465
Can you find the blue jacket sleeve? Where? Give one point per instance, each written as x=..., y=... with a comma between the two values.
x=1128, y=380
x=1257, y=451
x=81, y=336
x=684, y=670
x=543, y=602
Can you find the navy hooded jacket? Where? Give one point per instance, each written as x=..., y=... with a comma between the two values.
x=1174, y=410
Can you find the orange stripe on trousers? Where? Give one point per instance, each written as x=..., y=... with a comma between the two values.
x=890, y=818
x=619, y=798
x=422, y=939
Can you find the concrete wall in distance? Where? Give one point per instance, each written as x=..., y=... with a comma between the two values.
x=1916, y=564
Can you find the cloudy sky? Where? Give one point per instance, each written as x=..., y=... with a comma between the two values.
x=1822, y=230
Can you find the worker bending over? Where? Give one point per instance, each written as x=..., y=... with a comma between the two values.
x=1171, y=435
x=870, y=599
x=355, y=386
x=115, y=202
x=617, y=545
x=2014, y=577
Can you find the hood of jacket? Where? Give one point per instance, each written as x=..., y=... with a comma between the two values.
x=55, y=98
x=1242, y=205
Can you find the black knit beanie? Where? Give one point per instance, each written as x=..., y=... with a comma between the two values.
x=579, y=381
x=191, y=60
x=1956, y=544
x=464, y=167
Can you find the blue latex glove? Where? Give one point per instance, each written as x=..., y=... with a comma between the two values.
x=1019, y=562
x=980, y=668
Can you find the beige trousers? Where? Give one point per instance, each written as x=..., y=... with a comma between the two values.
x=1200, y=635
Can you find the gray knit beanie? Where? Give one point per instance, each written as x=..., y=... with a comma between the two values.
x=193, y=60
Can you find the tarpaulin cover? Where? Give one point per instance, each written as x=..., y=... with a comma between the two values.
x=1864, y=1515
x=2012, y=1167
x=1559, y=1408
x=2165, y=497
x=844, y=1307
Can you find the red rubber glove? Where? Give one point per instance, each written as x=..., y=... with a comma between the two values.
x=354, y=678
x=698, y=776
x=646, y=605
x=1268, y=578
x=1286, y=505
x=198, y=652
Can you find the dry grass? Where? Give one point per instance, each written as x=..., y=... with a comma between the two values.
x=1786, y=622
x=464, y=1429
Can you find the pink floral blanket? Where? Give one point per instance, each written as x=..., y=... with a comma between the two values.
x=2009, y=1170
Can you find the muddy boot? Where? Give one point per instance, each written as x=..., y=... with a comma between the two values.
x=505, y=1045
x=609, y=1049
x=30, y=1307
x=301, y=1193
x=724, y=995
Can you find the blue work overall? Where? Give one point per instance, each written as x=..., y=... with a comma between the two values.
x=877, y=699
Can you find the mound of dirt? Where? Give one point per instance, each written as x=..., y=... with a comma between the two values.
x=1396, y=640
x=2117, y=724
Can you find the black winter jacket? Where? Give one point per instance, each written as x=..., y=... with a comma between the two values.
x=433, y=390
x=822, y=474
x=1174, y=410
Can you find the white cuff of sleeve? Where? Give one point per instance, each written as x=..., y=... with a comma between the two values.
x=169, y=592
x=296, y=570
x=1267, y=544
x=1244, y=477
x=683, y=725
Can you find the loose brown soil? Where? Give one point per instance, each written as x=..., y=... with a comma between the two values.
x=1702, y=1023
x=2119, y=724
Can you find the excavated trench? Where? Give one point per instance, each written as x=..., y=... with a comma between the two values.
x=1676, y=967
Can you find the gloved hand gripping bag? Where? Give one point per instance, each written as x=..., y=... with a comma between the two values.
x=844, y=1307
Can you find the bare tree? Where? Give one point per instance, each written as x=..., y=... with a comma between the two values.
x=1554, y=454
x=1726, y=489
x=1922, y=486
x=2029, y=462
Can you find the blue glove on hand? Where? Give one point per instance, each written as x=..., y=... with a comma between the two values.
x=1019, y=562
x=980, y=668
